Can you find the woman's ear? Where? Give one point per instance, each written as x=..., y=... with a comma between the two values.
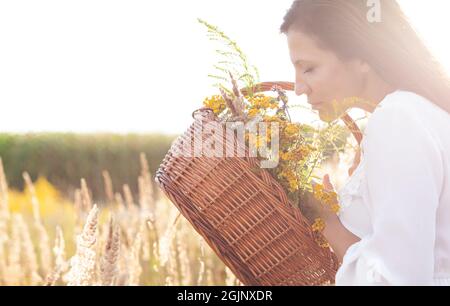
x=361, y=67
x=364, y=67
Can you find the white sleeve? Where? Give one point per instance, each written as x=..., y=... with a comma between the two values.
x=404, y=174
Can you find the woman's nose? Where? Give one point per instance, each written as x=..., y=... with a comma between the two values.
x=300, y=88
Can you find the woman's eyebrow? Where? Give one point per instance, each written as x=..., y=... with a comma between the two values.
x=301, y=62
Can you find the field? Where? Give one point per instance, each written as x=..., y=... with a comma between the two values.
x=116, y=230
x=46, y=239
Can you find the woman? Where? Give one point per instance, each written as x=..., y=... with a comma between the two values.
x=394, y=224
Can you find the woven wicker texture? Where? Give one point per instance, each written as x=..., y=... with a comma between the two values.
x=243, y=213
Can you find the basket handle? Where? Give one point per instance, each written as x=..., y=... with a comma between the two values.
x=289, y=86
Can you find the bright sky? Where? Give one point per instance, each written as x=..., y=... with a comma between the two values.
x=141, y=66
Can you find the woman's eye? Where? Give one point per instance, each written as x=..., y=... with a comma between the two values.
x=309, y=70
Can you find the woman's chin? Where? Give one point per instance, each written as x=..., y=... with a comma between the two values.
x=327, y=115
x=329, y=112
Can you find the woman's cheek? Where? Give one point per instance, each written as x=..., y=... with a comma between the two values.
x=324, y=83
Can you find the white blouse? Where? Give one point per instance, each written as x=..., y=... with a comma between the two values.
x=398, y=199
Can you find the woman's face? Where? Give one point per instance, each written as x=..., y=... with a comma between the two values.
x=330, y=84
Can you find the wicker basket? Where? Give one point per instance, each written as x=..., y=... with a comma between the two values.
x=244, y=214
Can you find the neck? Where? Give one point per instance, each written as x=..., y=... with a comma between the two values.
x=375, y=91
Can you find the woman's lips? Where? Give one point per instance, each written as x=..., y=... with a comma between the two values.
x=316, y=105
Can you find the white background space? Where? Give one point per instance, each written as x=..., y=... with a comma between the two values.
x=141, y=66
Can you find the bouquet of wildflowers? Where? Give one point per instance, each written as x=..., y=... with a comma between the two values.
x=296, y=150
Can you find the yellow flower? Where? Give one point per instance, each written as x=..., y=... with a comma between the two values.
x=259, y=141
x=216, y=103
x=271, y=119
x=297, y=154
x=318, y=225
x=284, y=155
x=292, y=129
x=263, y=102
x=322, y=243
x=318, y=191
x=253, y=112
x=328, y=198
x=335, y=208
x=291, y=178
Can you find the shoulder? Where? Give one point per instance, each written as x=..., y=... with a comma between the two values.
x=406, y=103
x=400, y=124
x=401, y=139
x=400, y=110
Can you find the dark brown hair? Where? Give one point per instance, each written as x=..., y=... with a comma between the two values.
x=391, y=46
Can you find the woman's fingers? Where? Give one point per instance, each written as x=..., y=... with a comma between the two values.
x=327, y=183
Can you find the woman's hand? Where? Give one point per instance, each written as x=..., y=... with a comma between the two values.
x=314, y=208
x=328, y=213
x=339, y=238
